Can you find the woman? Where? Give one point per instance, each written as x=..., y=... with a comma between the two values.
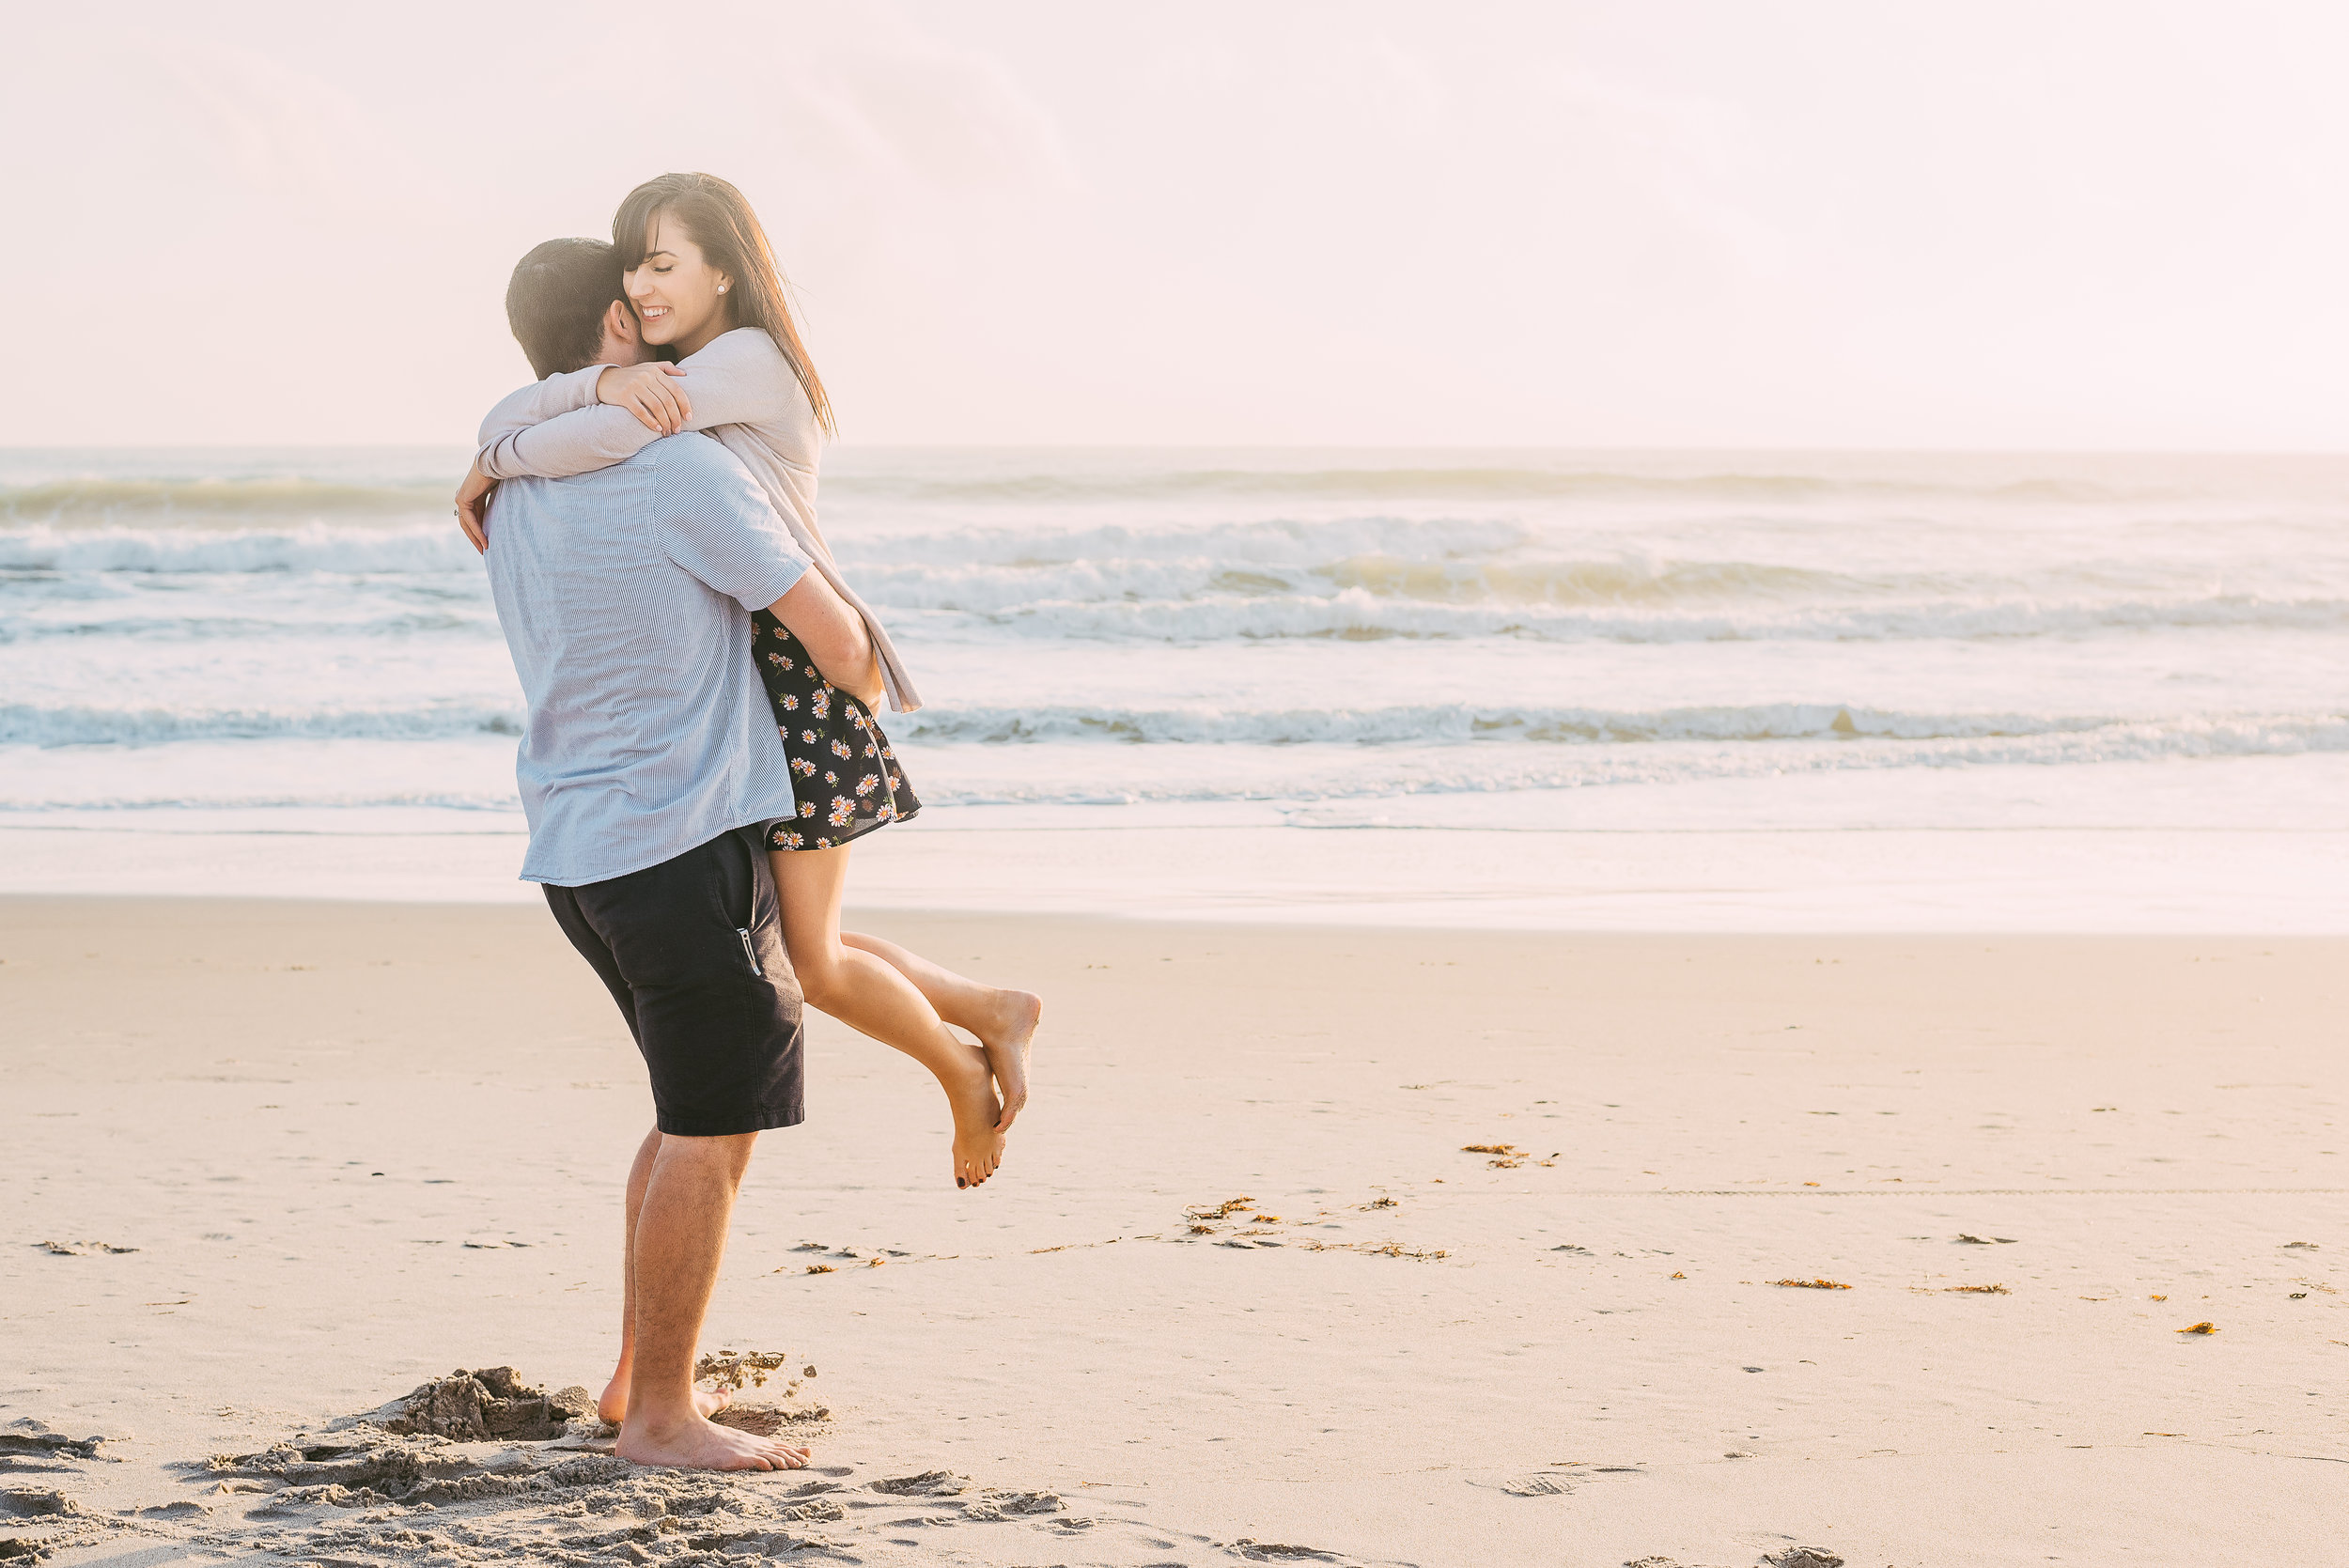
x=704, y=282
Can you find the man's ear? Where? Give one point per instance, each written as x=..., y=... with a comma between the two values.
x=620, y=321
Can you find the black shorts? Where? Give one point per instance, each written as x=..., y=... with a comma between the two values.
x=691, y=949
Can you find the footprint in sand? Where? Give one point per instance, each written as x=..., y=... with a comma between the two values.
x=35, y=1503
x=186, y=1508
x=51, y=1522
x=25, y=1438
x=1537, y=1486
x=81, y=1249
x=930, y=1484
x=1004, y=1505
x=1274, y=1552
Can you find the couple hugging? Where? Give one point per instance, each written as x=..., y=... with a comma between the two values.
x=700, y=746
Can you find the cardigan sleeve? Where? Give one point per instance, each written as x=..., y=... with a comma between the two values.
x=551, y=432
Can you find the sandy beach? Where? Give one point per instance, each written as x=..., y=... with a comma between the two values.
x=275, y=1163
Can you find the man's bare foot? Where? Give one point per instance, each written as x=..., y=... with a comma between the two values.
x=612, y=1406
x=978, y=1135
x=699, y=1445
x=1005, y=1040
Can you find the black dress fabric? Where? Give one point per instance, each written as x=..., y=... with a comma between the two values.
x=844, y=778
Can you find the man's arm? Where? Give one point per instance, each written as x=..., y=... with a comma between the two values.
x=833, y=635
x=711, y=518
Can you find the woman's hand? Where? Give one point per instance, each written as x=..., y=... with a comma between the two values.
x=648, y=392
x=472, y=507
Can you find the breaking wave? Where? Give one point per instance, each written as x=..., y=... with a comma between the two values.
x=1434, y=723
x=315, y=547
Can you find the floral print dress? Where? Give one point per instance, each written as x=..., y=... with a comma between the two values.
x=844, y=778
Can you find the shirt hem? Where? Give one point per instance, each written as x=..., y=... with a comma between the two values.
x=568, y=879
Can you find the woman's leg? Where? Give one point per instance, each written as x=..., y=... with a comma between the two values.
x=1004, y=1021
x=869, y=996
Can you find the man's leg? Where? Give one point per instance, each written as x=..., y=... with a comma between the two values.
x=680, y=1237
x=612, y=1406
x=719, y=1029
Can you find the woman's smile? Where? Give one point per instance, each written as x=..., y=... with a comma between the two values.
x=681, y=299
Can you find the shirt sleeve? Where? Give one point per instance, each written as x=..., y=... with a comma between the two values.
x=713, y=519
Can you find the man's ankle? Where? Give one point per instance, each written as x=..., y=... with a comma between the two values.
x=660, y=1416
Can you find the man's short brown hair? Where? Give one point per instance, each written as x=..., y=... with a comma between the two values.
x=556, y=301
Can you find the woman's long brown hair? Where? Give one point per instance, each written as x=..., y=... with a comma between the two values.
x=723, y=224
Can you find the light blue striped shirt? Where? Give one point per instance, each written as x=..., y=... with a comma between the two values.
x=626, y=596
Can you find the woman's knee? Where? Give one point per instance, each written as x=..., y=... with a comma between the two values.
x=822, y=978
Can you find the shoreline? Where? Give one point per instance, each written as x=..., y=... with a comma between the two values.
x=2143, y=880
x=1497, y=1363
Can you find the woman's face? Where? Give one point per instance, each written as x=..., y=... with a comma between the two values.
x=681, y=299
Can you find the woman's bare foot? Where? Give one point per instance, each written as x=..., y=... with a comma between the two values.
x=1006, y=1039
x=978, y=1135
x=612, y=1406
x=699, y=1445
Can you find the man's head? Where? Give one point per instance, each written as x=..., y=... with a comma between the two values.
x=568, y=309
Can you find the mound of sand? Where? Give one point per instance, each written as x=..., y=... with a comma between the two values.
x=485, y=1405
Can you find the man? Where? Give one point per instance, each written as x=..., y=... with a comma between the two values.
x=648, y=767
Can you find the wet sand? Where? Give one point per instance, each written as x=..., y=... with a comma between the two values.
x=297, y=1158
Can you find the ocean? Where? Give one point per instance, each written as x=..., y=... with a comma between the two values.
x=1666, y=689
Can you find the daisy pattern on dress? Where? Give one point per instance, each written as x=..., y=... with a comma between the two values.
x=839, y=751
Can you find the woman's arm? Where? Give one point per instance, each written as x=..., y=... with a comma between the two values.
x=558, y=395
x=551, y=432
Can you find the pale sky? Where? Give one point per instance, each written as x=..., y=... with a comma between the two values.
x=2100, y=224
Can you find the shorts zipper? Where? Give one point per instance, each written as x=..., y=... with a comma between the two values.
x=749, y=949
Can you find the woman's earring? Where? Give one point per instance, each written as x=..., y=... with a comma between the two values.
x=722, y=288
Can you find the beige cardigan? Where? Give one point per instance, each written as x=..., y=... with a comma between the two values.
x=743, y=395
